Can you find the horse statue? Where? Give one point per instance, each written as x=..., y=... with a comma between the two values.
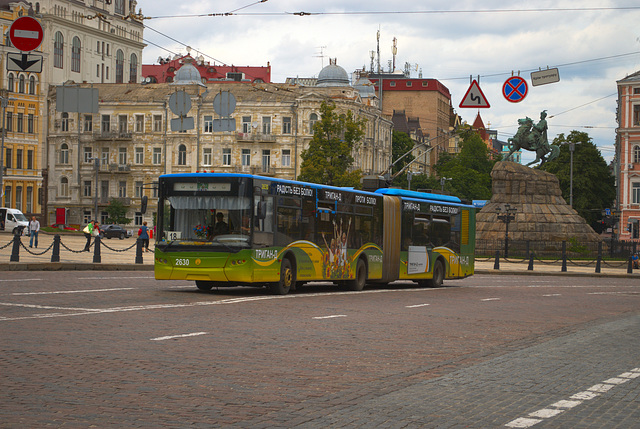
x=533, y=137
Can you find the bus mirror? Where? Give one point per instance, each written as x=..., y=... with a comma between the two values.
x=143, y=204
x=262, y=209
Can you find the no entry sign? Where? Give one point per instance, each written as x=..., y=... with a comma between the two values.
x=515, y=89
x=26, y=33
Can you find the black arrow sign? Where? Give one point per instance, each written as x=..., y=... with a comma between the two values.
x=24, y=63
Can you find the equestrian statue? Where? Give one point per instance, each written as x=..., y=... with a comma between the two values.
x=533, y=137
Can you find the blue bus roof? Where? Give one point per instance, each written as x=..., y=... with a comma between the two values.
x=419, y=195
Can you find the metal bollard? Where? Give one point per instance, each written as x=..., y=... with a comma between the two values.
x=496, y=265
x=15, y=251
x=630, y=265
x=599, y=261
x=564, y=257
x=139, y=251
x=55, y=255
x=97, y=258
x=530, y=268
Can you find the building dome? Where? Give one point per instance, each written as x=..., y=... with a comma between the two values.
x=188, y=74
x=333, y=75
x=365, y=87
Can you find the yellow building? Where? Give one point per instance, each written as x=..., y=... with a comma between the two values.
x=22, y=107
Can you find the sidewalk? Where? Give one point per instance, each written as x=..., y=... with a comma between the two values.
x=120, y=255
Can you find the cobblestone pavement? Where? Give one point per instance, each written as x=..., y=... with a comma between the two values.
x=119, y=349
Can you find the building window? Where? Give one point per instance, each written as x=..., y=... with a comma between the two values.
x=105, y=123
x=10, y=82
x=286, y=125
x=635, y=193
x=409, y=83
x=137, y=218
x=86, y=216
x=636, y=154
x=266, y=160
x=20, y=123
x=32, y=85
x=88, y=154
x=29, y=199
x=119, y=7
x=64, y=153
x=29, y=159
x=313, y=118
x=119, y=66
x=392, y=83
x=86, y=188
x=636, y=115
x=122, y=189
x=266, y=125
x=31, y=124
x=122, y=124
x=8, y=159
x=246, y=157
x=58, y=50
x=19, y=163
x=182, y=155
x=636, y=90
x=64, y=187
x=122, y=156
x=286, y=158
x=7, y=195
x=9, y=124
x=139, y=155
x=138, y=189
x=88, y=123
x=246, y=124
x=207, y=156
x=19, y=197
x=105, y=156
x=21, y=84
x=104, y=190
x=65, y=121
x=133, y=68
x=139, y=124
x=157, y=123
x=75, y=54
x=226, y=156
x=208, y=124
x=157, y=156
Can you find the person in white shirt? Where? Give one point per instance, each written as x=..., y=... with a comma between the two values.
x=34, y=227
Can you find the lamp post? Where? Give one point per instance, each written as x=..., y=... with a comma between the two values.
x=507, y=217
x=443, y=180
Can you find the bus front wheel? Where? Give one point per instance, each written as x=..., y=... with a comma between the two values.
x=287, y=279
x=358, y=283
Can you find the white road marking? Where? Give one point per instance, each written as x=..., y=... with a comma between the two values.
x=72, y=291
x=172, y=337
x=115, y=278
x=490, y=299
x=577, y=399
x=329, y=317
x=553, y=294
x=21, y=280
x=417, y=305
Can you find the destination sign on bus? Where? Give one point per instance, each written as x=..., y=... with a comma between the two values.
x=202, y=187
x=433, y=208
x=283, y=189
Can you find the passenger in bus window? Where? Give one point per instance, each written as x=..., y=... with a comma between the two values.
x=221, y=226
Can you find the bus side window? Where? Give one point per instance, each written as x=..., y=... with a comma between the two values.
x=263, y=215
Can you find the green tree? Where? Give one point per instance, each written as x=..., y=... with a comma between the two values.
x=593, y=185
x=328, y=160
x=117, y=212
x=469, y=170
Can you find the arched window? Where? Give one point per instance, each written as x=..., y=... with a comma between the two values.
x=313, y=118
x=10, y=82
x=64, y=187
x=58, y=50
x=21, y=84
x=75, y=54
x=64, y=153
x=133, y=68
x=32, y=85
x=636, y=153
x=119, y=66
x=182, y=155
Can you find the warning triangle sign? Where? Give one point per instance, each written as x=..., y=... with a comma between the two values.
x=474, y=98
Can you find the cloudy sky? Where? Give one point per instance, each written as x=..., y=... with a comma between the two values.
x=592, y=43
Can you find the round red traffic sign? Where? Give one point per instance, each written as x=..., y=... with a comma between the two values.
x=515, y=89
x=26, y=33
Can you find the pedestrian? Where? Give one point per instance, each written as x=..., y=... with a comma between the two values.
x=634, y=258
x=144, y=236
x=34, y=228
x=88, y=232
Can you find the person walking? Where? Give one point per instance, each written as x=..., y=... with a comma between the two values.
x=144, y=236
x=34, y=228
x=88, y=232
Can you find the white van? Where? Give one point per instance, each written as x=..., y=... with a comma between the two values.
x=12, y=219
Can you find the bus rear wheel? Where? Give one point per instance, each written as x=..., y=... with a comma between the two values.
x=438, y=275
x=287, y=279
x=358, y=283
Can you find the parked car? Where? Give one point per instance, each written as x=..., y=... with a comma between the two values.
x=111, y=231
x=64, y=226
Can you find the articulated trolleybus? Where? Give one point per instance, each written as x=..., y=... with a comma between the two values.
x=239, y=229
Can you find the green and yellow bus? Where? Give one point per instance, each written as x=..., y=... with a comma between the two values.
x=239, y=229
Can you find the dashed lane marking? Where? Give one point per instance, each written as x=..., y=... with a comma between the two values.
x=490, y=299
x=173, y=337
x=20, y=280
x=329, y=317
x=73, y=291
x=417, y=305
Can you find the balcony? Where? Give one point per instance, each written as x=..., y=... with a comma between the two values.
x=119, y=168
x=112, y=135
x=255, y=137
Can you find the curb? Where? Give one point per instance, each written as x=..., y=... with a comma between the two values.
x=70, y=266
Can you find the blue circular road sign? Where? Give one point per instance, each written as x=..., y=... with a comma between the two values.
x=515, y=89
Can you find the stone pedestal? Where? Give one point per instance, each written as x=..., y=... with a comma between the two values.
x=541, y=212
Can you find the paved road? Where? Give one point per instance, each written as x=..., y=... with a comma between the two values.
x=119, y=349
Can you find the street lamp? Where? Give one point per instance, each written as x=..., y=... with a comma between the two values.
x=443, y=180
x=507, y=217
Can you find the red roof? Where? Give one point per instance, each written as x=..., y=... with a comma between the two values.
x=406, y=84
